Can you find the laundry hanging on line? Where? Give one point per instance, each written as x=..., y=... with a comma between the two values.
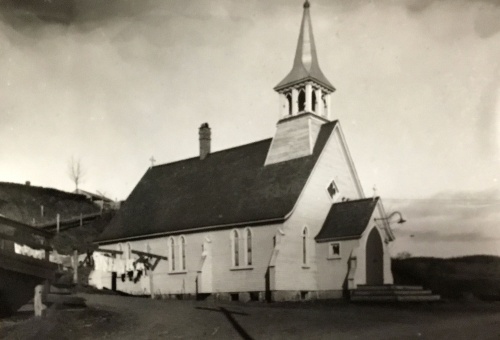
x=134, y=269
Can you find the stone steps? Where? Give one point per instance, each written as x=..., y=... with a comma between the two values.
x=396, y=298
x=65, y=300
x=392, y=293
x=389, y=287
x=61, y=290
x=61, y=296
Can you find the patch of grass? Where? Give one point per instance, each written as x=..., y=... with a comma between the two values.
x=23, y=203
x=89, y=323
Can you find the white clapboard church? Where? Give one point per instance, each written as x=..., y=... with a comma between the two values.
x=279, y=219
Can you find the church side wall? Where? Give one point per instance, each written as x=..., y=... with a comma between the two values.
x=223, y=278
x=228, y=278
x=311, y=211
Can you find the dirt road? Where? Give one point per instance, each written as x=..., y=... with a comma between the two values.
x=118, y=317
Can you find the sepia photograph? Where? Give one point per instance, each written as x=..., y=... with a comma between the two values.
x=258, y=169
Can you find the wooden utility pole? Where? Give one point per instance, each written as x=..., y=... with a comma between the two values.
x=151, y=284
x=75, y=266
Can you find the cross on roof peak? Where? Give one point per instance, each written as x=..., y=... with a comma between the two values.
x=152, y=160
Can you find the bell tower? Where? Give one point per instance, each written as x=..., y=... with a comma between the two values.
x=304, y=100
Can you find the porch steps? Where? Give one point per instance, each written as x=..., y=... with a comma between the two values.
x=62, y=296
x=392, y=293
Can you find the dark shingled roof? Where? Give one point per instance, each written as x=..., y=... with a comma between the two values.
x=227, y=188
x=347, y=219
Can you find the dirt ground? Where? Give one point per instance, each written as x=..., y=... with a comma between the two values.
x=121, y=317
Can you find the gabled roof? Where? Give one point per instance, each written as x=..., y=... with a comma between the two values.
x=227, y=188
x=305, y=65
x=347, y=219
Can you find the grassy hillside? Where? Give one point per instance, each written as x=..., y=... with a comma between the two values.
x=81, y=238
x=22, y=203
x=455, y=278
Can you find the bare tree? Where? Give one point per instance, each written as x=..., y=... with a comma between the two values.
x=75, y=171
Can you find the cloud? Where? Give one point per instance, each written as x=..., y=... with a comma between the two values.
x=483, y=17
x=482, y=195
x=101, y=11
x=433, y=236
x=489, y=115
x=453, y=212
x=418, y=6
x=487, y=21
x=66, y=11
x=449, y=224
x=61, y=11
x=121, y=80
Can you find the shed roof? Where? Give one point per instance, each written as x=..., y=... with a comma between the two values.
x=347, y=219
x=227, y=188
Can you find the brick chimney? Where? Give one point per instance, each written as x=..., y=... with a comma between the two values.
x=204, y=140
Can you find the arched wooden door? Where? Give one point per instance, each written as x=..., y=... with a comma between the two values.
x=374, y=259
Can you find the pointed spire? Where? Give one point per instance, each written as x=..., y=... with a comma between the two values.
x=305, y=65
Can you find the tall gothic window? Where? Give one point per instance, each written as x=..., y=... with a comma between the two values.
x=182, y=243
x=236, y=248
x=289, y=101
x=120, y=248
x=172, y=253
x=129, y=251
x=304, y=246
x=302, y=100
x=248, y=235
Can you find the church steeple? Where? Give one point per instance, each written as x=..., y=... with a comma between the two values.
x=304, y=101
x=305, y=88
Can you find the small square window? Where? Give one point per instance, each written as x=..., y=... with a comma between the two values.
x=333, y=190
x=334, y=250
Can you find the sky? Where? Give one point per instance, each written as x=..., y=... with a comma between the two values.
x=114, y=82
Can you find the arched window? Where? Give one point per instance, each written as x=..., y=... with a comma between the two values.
x=313, y=101
x=289, y=100
x=248, y=236
x=236, y=248
x=304, y=245
x=302, y=100
x=171, y=243
x=182, y=243
x=129, y=251
x=120, y=248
